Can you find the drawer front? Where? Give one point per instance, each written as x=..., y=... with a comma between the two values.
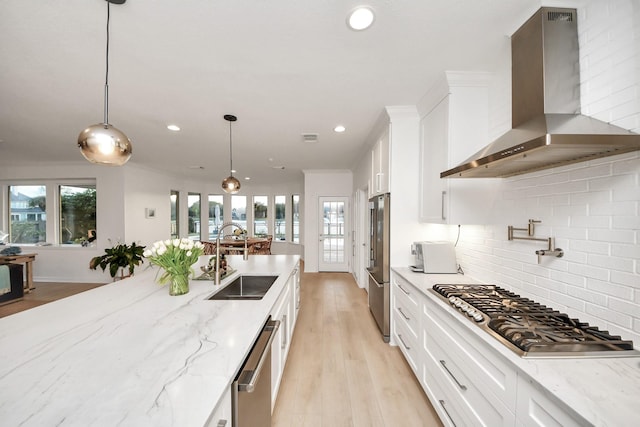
x=408, y=342
x=536, y=409
x=407, y=312
x=483, y=408
x=406, y=293
x=480, y=363
x=444, y=399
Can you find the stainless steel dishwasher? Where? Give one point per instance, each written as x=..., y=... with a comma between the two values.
x=251, y=390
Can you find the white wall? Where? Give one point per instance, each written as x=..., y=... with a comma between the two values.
x=591, y=208
x=319, y=183
x=123, y=194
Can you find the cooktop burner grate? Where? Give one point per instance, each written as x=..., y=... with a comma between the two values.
x=527, y=327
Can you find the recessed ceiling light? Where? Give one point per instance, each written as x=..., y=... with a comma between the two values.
x=247, y=178
x=339, y=128
x=174, y=128
x=360, y=18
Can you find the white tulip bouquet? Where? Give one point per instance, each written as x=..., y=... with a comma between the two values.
x=175, y=256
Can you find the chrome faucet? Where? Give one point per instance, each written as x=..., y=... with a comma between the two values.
x=245, y=254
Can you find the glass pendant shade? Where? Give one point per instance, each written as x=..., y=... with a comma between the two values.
x=231, y=185
x=104, y=144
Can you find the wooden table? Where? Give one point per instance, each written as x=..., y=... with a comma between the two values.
x=234, y=246
x=27, y=260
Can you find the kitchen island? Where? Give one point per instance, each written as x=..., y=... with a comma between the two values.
x=128, y=354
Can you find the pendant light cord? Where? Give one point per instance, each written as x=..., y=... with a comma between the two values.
x=230, y=151
x=106, y=77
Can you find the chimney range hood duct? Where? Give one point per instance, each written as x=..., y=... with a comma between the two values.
x=547, y=127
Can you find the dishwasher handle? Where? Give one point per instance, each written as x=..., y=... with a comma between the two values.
x=251, y=371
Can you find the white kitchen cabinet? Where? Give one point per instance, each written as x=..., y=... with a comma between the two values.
x=406, y=306
x=380, y=165
x=221, y=416
x=285, y=311
x=536, y=409
x=467, y=372
x=454, y=125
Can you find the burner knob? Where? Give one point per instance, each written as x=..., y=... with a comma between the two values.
x=471, y=312
x=465, y=307
x=452, y=300
x=478, y=317
x=458, y=302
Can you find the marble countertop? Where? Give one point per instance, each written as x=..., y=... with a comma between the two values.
x=128, y=354
x=603, y=391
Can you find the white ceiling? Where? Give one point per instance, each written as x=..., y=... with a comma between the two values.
x=284, y=67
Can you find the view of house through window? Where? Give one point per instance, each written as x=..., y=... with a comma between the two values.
x=175, y=196
x=27, y=212
x=193, y=202
x=239, y=210
x=295, y=223
x=216, y=214
x=260, y=217
x=280, y=232
x=77, y=213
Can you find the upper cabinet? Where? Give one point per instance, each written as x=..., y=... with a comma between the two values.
x=380, y=166
x=454, y=122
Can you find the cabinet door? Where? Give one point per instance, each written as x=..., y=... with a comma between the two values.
x=221, y=416
x=434, y=140
x=535, y=409
x=380, y=165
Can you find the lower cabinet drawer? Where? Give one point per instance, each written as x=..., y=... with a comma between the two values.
x=481, y=408
x=481, y=364
x=408, y=342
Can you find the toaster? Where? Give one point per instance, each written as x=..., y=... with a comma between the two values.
x=434, y=257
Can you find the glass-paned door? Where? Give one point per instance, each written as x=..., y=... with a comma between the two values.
x=333, y=232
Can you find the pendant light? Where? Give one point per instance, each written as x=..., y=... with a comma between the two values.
x=230, y=184
x=102, y=143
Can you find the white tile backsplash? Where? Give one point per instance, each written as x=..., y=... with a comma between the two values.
x=591, y=208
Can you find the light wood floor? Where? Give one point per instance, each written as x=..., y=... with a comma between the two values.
x=45, y=292
x=339, y=372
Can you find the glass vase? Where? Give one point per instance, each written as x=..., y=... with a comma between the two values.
x=179, y=284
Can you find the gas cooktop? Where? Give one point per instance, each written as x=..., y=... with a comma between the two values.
x=531, y=329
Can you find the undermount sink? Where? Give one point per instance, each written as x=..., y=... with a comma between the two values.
x=245, y=287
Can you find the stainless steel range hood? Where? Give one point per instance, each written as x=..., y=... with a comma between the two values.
x=547, y=127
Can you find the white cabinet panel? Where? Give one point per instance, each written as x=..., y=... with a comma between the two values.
x=536, y=409
x=453, y=126
x=380, y=165
x=221, y=416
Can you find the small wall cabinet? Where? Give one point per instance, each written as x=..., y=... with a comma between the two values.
x=380, y=165
x=454, y=124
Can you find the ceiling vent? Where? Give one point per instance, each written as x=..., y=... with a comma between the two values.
x=310, y=137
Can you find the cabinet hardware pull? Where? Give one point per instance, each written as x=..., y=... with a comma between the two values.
x=442, y=206
x=286, y=335
x=404, y=290
x=222, y=423
x=444, y=365
x=403, y=315
x=404, y=343
x=447, y=412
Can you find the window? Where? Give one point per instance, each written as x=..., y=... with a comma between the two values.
x=77, y=213
x=175, y=197
x=239, y=210
x=295, y=223
x=193, y=202
x=280, y=232
x=216, y=214
x=27, y=207
x=260, y=218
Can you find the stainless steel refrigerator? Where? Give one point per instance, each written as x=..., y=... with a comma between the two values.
x=379, y=300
